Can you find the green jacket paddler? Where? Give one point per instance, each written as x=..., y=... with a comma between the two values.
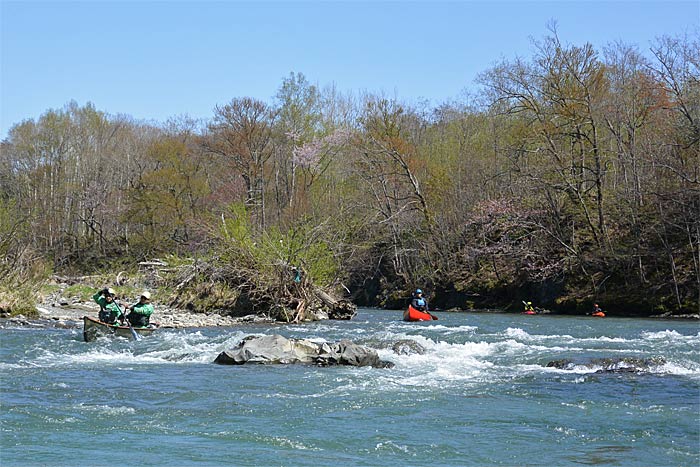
x=141, y=312
x=110, y=311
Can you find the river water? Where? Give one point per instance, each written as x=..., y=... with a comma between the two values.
x=481, y=394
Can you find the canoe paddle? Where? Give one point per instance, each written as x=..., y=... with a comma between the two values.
x=131, y=328
x=133, y=332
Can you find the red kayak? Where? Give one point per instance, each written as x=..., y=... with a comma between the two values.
x=414, y=315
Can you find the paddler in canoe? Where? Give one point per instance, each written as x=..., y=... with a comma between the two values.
x=110, y=311
x=112, y=321
x=418, y=309
x=140, y=313
x=597, y=311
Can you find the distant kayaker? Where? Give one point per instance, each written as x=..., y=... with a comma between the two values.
x=140, y=313
x=419, y=302
x=529, y=309
x=110, y=311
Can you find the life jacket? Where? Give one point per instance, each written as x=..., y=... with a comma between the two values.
x=104, y=315
x=108, y=315
x=138, y=320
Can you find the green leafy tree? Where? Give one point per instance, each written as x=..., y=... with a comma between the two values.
x=166, y=199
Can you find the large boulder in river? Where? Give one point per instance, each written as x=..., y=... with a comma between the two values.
x=276, y=349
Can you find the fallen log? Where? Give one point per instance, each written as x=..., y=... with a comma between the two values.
x=337, y=309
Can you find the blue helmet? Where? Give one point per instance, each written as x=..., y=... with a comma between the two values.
x=418, y=291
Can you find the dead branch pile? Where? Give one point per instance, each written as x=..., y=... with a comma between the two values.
x=279, y=291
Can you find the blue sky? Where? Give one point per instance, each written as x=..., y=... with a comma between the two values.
x=153, y=60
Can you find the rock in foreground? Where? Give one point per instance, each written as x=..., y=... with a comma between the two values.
x=277, y=349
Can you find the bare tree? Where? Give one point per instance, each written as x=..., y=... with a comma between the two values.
x=241, y=133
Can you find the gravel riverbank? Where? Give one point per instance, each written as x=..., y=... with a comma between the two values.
x=68, y=315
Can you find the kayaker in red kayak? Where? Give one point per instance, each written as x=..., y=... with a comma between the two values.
x=418, y=309
x=598, y=311
x=419, y=302
x=529, y=309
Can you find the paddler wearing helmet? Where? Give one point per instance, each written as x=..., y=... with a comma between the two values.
x=419, y=302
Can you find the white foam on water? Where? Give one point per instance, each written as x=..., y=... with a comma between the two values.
x=517, y=333
x=164, y=347
x=315, y=328
x=663, y=335
x=672, y=338
x=187, y=347
x=105, y=409
x=13, y=366
x=479, y=361
x=427, y=327
x=392, y=447
x=505, y=354
x=608, y=339
x=511, y=347
x=286, y=442
x=476, y=361
x=668, y=337
x=442, y=362
x=576, y=369
x=521, y=335
x=567, y=431
x=450, y=329
x=50, y=358
x=687, y=368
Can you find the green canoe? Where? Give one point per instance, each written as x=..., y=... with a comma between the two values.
x=93, y=328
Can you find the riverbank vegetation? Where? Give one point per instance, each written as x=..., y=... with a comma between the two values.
x=22, y=269
x=566, y=178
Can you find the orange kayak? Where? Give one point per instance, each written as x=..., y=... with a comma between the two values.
x=414, y=315
x=599, y=314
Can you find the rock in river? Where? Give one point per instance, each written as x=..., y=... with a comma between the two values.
x=276, y=349
x=611, y=365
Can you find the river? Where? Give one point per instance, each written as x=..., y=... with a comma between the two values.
x=481, y=394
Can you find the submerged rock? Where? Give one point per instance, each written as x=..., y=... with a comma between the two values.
x=408, y=347
x=610, y=365
x=276, y=349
